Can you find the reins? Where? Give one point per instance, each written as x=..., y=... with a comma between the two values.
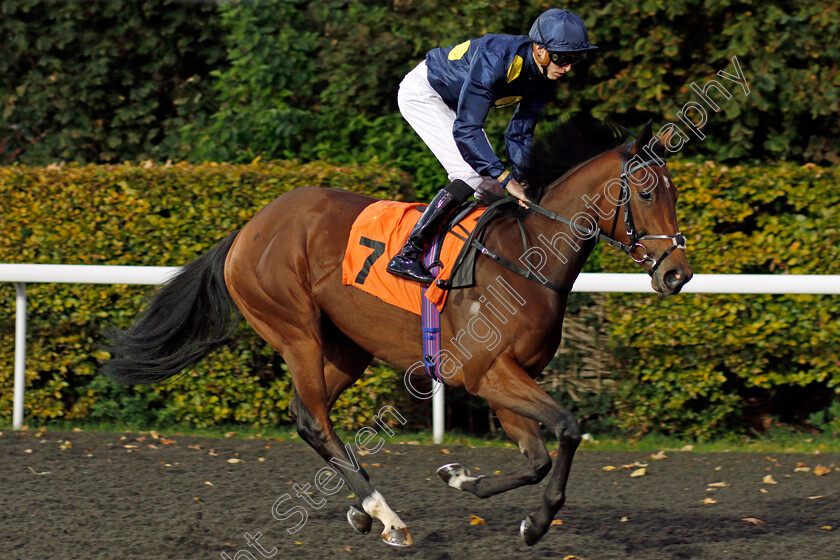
x=678, y=239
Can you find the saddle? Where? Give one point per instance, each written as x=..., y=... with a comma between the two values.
x=380, y=230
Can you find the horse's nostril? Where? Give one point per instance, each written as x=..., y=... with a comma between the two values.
x=673, y=278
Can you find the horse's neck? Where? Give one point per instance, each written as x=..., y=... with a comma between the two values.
x=568, y=249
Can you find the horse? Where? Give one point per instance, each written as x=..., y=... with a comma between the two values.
x=282, y=272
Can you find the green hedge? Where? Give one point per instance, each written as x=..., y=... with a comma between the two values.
x=690, y=364
x=702, y=364
x=145, y=214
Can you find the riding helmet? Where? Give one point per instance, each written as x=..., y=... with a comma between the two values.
x=561, y=31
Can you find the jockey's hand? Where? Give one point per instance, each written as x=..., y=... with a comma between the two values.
x=517, y=190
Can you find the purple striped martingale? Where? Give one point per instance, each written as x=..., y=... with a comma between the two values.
x=430, y=315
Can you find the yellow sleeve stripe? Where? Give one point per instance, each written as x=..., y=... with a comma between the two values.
x=503, y=176
x=458, y=51
x=514, y=69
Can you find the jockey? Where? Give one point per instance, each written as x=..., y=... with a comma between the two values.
x=446, y=99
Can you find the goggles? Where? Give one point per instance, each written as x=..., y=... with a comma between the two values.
x=566, y=58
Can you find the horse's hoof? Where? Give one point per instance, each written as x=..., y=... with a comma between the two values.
x=397, y=537
x=359, y=520
x=529, y=532
x=453, y=474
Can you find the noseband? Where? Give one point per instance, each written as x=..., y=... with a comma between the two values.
x=678, y=240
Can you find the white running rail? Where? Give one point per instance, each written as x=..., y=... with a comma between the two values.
x=22, y=274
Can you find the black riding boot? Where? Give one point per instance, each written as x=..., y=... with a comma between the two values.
x=407, y=263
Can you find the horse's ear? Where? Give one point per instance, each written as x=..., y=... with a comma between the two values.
x=644, y=136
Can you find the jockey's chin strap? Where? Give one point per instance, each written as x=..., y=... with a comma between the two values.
x=678, y=240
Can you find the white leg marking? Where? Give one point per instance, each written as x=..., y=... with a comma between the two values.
x=376, y=506
x=460, y=478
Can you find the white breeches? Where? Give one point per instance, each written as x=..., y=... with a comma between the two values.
x=432, y=119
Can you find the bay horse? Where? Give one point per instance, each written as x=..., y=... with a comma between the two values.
x=282, y=272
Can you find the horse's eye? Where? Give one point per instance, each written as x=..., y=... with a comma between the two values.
x=646, y=195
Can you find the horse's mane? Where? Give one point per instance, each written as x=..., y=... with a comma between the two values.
x=565, y=146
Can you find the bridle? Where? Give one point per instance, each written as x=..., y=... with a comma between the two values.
x=678, y=239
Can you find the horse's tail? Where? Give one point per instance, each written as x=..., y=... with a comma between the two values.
x=189, y=317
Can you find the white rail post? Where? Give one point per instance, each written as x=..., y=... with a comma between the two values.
x=20, y=354
x=438, y=407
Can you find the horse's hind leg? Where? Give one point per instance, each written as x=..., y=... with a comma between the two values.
x=527, y=435
x=344, y=363
x=309, y=362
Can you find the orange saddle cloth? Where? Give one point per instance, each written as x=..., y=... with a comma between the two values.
x=377, y=235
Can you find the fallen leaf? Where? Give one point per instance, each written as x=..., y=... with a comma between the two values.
x=476, y=520
x=150, y=446
x=38, y=473
x=826, y=527
x=497, y=472
x=763, y=491
x=196, y=447
x=752, y=520
x=820, y=470
x=65, y=446
x=659, y=456
x=445, y=451
x=234, y=460
x=261, y=459
x=27, y=451
x=688, y=448
x=610, y=468
x=208, y=483
x=557, y=523
x=165, y=441
x=799, y=465
x=769, y=479
x=709, y=501
x=718, y=484
x=197, y=499
x=154, y=434
x=638, y=472
x=129, y=446
x=624, y=519
x=571, y=557
x=230, y=434
x=815, y=497
x=802, y=469
x=77, y=429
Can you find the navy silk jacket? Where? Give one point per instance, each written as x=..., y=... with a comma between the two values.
x=490, y=72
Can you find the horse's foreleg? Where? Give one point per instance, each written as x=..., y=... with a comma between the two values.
x=526, y=433
x=507, y=385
